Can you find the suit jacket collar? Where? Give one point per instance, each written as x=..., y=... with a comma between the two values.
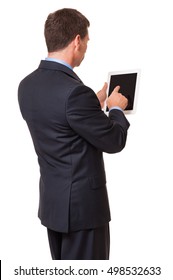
x=51, y=65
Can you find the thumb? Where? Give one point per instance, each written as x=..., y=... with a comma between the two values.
x=104, y=88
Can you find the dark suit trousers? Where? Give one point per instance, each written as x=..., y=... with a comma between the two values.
x=90, y=244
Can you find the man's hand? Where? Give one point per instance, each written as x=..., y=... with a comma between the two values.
x=117, y=99
x=101, y=95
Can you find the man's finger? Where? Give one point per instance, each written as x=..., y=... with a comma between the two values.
x=117, y=88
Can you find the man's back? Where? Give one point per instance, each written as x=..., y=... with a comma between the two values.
x=72, y=185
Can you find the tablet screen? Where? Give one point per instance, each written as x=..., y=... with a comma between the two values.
x=127, y=80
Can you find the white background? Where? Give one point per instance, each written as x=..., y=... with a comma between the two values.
x=123, y=35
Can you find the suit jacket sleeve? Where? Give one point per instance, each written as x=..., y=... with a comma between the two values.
x=84, y=115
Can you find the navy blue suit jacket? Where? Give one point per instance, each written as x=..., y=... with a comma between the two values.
x=70, y=132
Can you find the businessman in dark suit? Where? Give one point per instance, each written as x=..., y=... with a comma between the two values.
x=70, y=132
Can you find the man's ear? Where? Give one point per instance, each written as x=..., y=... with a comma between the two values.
x=77, y=41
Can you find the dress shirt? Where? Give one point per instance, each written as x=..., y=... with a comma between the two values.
x=59, y=61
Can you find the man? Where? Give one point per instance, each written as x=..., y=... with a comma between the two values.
x=70, y=132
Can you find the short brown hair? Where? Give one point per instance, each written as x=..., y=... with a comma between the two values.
x=62, y=26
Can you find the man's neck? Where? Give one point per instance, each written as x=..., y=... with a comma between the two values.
x=63, y=55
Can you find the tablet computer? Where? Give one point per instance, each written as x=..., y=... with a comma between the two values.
x=129, y=82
